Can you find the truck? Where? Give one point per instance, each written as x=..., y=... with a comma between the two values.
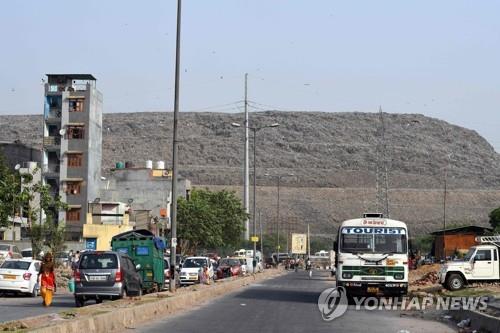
x=480, y=264
x=146, y=250
x=372, y=256
x=323, y=259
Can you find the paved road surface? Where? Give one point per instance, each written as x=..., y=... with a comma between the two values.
x=18, y=307
x=285, y=304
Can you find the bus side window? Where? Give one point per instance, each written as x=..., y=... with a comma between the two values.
x=495, y=255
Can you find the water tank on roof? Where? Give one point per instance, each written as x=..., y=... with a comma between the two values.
x=120, y=165
x=149, y=164
x=160, y=165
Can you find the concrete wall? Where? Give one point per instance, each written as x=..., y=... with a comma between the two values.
x=18, y=153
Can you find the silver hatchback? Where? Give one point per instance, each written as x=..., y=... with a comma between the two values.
x=105, y=275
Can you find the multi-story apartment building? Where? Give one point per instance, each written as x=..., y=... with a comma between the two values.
x=72, y=145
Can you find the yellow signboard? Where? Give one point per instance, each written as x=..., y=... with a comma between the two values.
x=299, y=243
x=254, y=239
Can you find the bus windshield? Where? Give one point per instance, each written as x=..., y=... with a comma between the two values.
x=373, y=240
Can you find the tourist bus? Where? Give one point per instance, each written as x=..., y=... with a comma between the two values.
x=372, y=256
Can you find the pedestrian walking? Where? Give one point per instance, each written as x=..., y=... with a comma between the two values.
x=204, y=276
x=47, y=279
x=75, y=260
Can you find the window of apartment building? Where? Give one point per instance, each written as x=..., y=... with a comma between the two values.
x=73, y=214
x=76, y=105
x=73, y=188
x=75, y=160
x=76, y=132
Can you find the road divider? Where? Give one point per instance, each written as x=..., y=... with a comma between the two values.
x=126, y=314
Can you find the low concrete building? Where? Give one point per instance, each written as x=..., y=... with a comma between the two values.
x=14, y=231
x=145, y=189
x=456, y=240
x=105, y=220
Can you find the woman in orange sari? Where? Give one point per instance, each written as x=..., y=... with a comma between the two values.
x=47, y=279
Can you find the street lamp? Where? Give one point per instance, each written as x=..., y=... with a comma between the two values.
x=173, y=211
x=278, y=210
x=255, y=130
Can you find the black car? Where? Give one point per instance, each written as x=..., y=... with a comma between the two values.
x=106, y=275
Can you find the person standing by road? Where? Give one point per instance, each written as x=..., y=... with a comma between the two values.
x=47, y=279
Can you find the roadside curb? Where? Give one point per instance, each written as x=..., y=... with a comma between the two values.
x=154, y=307
x=479, y=321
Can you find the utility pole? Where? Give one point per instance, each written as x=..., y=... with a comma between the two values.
x=308, y=242
x=254, y=263
x=382, y=182
x=444, y=210
x=246, y=181
x=173, y=233
x=278, y=219
x=261, y=236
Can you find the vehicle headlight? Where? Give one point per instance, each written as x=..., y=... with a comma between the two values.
x=399, y=276
x=346, y=275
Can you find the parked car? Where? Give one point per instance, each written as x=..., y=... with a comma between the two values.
x=20, y=275
x=191, y=268
x=106, y=275
x=270, y=262
x=244, y=266
x=9, y=251
x=228, y=267
x=166, y=263
x=27, y=253
x=429, y=260
x=62, y=259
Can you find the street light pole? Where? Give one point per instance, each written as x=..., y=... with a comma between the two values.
x=278, y=220
x=246, y=168
x=173, y=233
x=261, y=236
x=254, y=263
x=278, y=210
x=254, y=130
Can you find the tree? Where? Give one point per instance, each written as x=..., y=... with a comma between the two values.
x=495, y=219
x=49, y=235
x=18, y=191
x=9, y=193
x=209, y=220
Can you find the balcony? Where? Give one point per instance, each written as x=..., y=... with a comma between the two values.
x=51, y=169
x=51, y=141
x=53, y=116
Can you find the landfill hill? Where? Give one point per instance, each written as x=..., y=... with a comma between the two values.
x=333, y=157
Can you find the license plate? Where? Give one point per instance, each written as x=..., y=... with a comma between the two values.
x=373, y=290
x=9, y=277
x=97, y=278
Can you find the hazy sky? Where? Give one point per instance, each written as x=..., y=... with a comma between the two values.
x=439, y=58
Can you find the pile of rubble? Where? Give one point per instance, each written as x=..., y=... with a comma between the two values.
x=63, y=275
x=428, y=279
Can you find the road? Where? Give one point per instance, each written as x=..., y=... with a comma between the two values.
x=19, y=307
x=286, y=304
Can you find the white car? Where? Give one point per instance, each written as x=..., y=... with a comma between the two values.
x=9, y=251
x=20, y=275
x=192, y=267
x=27, y=253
